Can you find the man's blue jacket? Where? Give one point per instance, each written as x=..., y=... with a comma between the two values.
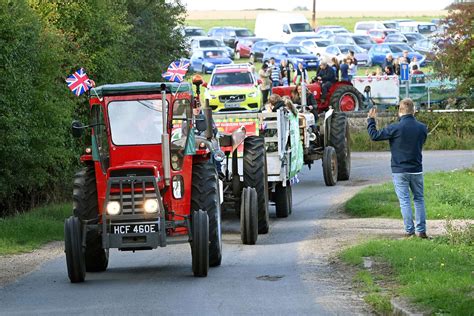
x=406, y=142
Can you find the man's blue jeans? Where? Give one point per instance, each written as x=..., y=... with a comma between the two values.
x=403, y=183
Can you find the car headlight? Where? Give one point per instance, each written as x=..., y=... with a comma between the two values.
x=113, y=208
x=253, y=94
x=151, y=206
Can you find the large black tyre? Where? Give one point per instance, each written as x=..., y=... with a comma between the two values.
x=255, y=176
x=330, y=166
x=339, y=138
x=346, y=91
x=283, y=200
x=249, y=217
x=205, y=196
x=75, y=261
x=85, y=207
x=200, y=243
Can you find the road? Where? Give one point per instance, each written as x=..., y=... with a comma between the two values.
x=279, y=275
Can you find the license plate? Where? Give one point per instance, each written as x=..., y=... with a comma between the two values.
x=311, y=64
x=134, y=229
x=362, y=63
x=232, y=105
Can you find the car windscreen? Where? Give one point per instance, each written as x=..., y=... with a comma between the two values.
x=339, y=31
x=244, y=33
x=346, y=48
x=300, y=27
x=209, y=43
x=231, y=78
x=214, y=54
x=137, y=122
x=323, y=43
x=362, y=40
x=414, y=37
x=426, y=29
x=344, y=40
x=390, y=25
x=399, y=48
x=297, y=50
x=194, y=32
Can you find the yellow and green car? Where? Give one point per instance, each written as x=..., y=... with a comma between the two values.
x=233, y=88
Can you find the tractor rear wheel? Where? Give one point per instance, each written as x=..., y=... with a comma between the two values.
x=205, y=196
x=283, y=200
x=339, y=138
x=255, y=176
x=85, y=207
x=249, y=217
x=330, y=166
x=200, y=243
x=75, y=260
x=346, y=98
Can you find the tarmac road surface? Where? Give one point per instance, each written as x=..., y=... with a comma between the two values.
x=276, y=276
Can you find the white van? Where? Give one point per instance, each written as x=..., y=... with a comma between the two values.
x=362, y=27
x=282, y=26
x=425, y=28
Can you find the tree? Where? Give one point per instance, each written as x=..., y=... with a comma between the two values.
x=455, y=56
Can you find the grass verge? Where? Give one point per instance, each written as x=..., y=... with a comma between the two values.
x=447, y=195
x=434, y=274
x=28, y=231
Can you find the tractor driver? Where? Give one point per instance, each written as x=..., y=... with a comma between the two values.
x=200, y=120
x=326, y=77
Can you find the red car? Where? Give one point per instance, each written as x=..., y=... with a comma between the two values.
x=378, y=35
x=244, y=45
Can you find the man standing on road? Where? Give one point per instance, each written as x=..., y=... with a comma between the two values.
x=406, y=138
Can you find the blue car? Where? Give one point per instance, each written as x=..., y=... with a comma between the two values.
x=294, y=54
x=378, y=53
x=206, y=60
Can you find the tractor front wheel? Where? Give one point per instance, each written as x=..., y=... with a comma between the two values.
x=283, y=200
x=75, y=260
x=205, y=196
x=339, y=138
x=330, y=166
x=200, y=243
x=249, y=217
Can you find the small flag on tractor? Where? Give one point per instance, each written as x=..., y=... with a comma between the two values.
x=176, y=71
x=78, y=82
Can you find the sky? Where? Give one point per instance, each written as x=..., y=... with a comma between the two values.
x=321, y=5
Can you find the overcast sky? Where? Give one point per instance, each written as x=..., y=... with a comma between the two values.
x=321, y=5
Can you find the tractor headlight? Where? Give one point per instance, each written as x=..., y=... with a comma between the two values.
x=253, y=94
x=176, y=162
x=151, y=206
x=219, y=155
x=113, y=208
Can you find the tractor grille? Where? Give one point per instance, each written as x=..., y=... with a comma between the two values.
x=232, y=98
x=132, y=192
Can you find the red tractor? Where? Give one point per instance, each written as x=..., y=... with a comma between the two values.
x=342, y=96
x=147, y=180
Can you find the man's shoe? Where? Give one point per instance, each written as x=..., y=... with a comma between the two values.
x=409, y=235
x=423, y=235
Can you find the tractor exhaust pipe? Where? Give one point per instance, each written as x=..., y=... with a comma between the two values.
x=208, y=115
x=165, y=137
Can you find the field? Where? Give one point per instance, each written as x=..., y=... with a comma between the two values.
x=208, y=19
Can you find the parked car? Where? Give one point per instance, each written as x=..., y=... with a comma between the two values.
x=378, y=52
x=230, y=35
x=191, y=31
x=425, y=28
x=204, y=42
x=330, y=33
x=362, y=27
x=315, y=46
x=330, y=27
x=205, y=60
x=340, y=51
x=364, y=41
x=294, y=54
x=344, y=38
x=297, y=39
x=395, y=38
x=379, y=35
x=426, y=47
x=244, y=46
x=259, y=48
x=412, y=38
x=279, y=26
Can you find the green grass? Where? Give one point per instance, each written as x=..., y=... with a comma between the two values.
x=366, y=283
x=433, y=274
x=28, y=231
x=447, y=195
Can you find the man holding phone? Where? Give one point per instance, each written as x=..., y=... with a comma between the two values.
x=406, y=139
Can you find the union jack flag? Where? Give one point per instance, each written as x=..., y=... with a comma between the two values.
x=176, y=71
x=78, y=82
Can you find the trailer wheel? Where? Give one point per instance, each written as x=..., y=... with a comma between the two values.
x=205, y=196
x=346, y=98
x=283, y=200
x=339, y=138
x=255, y=176
x=330, y=166
x=85, y=207
x=249, y=217
x=200, y=243
x=75, y=260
